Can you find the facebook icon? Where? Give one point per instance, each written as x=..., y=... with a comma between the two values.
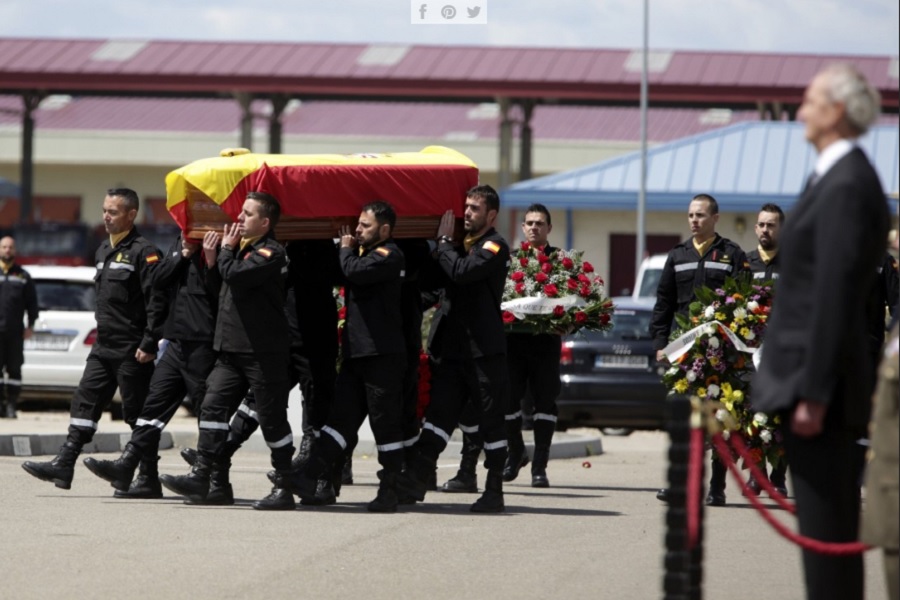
x=422, y=10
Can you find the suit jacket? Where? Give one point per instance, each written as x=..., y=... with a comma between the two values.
x=816, y=343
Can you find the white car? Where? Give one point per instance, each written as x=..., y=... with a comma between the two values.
x=63, y=334
x=648, y=276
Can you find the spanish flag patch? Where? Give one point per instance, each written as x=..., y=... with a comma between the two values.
x=265, y=252
x=492, y=247
x=382, y=251
x=152, y=259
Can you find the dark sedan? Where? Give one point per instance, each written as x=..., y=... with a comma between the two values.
x=611, y=379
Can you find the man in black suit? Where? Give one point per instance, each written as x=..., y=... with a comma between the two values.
x=816, y=370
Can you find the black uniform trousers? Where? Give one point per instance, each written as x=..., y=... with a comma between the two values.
x=533, y=362
x=368, y=385
x=232, y=376
x=315, y=372
x=831, y=500
x=181, y=371
x=482, y=381
x=410, y=424
x=12, y=356
x=97, y=387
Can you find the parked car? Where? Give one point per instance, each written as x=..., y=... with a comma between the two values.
x=611, y=379
x=63, y=334
x=648, y=276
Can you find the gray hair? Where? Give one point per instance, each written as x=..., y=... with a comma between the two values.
x=848, y=86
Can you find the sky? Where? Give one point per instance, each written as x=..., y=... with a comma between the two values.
x=780, y=26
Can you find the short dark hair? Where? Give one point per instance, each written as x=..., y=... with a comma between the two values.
x=486, y=193
x=773, y=208
x=129, y=196
x=269, y=208
x=384, y=213
x=539, y=208
x=713, y=205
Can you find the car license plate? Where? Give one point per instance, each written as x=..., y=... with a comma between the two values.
x=619, y=361
x=45, y=342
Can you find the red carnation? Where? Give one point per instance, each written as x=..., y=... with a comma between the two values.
x=547, y=268
x=543, y=258
x=541, y=277
x=580, y=317
x=572, y=284
x=341, y=292
x=551, y=291
x=342, y=312
x=558, y=311
x=520, y=288
x=517, y=276
x=508, y=317
x=587, y=267
x=604, y=319
x=523, y=261
x=568, y=263
x=583, y=278
x=526, y=246
x=585, y=291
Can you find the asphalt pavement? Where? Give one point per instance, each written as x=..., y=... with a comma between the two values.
x=596, y=533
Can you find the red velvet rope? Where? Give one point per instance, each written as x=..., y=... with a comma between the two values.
x=694, y=486
x=830, y=548
x=737, y=442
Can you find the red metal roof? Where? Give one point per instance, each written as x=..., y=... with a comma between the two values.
x=578, y=76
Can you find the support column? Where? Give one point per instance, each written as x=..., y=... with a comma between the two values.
x=525, y=138
x=279, y=102
x=245, y=100
x=30, y=103
x=504, y=168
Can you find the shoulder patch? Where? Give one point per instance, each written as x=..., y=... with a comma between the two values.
x=265, y=252
x=492, y=247
x=152, y=259
x=382, y=251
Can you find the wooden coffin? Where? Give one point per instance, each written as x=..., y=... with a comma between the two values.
x=321, y=192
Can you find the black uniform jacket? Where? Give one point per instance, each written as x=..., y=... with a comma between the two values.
x=471, y=324
x=192, y=290
x=374, y=323
x=17, y=296
x=884, y=295
x=816, y=340
x=251, y=304
x=685, y=270
x=313, y=272
x=762, y=270
x=129, y=313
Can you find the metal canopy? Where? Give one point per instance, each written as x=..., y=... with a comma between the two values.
x=742, y=166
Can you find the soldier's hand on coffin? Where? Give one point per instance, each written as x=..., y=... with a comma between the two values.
x=448, y=224
x=348, y=240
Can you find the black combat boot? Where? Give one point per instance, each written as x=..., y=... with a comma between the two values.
x=189, y=455
x=412, y=482
x=386, y=501
x=60, y=470
x=325, y=495
x=491, y=501
x=304, y=452
x=778, y=478
x=466, y=480
x=193, y=486
x=280, y=498
x=146, y=485
x=539, y=467
x=118, y=472
x=716, y=496
x=12, y=401
x=347, y=471
x=516, y=459
x=220, y=490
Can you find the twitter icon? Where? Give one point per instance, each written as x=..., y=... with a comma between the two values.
x=473, y=12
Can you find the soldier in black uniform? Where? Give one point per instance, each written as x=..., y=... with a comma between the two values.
x=370, y=381
x=251, y=338
x=533, y=361
x=129, y=325
x=764, y=264
x=706, y=259
x=883, y=301
x=469, y=346
x=191, y=281
x=17, y=299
